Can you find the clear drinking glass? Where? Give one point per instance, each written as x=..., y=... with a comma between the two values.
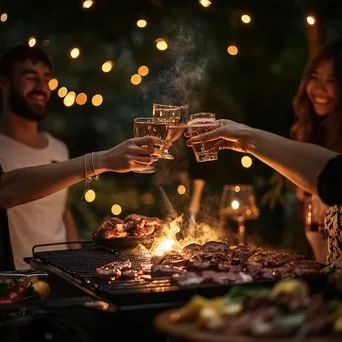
x=173, y=115
x=150, y=127
x=238, y=204
x=199, y=123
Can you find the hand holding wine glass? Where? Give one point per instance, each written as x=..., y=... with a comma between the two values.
x=144, y=127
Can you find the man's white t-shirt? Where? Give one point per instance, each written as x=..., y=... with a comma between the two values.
x=40, y=221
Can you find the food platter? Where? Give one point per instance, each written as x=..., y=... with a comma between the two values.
x=188, y=332
x=128, y=242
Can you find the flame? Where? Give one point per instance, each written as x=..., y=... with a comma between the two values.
x=164, y=246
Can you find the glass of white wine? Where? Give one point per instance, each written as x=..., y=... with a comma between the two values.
x=144, y=127
x=238, y=204
x=173, y=115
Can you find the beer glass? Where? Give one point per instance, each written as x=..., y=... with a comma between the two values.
x=199, y=123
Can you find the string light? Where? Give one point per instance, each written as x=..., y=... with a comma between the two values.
x=311, y=20
x=90, y=196
x=205, y=3
x=237, y=188
x=62, y=91
x=107, y=66
x=75, y=52
x=246, y=19
x=246, y=161
x=235, y=204
x=181, y=189
x=232, y=50
x=143, y=70
x=32, y=41
x=69, y=100
x=81, y=99
x=4, y=17
x=136, y=79
x=97, y=100
x=116, y=209
x=53, y=84
x=87, y=3
x=141, y=23
x=161, y=44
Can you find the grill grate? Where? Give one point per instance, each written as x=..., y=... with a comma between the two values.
x=81, y=264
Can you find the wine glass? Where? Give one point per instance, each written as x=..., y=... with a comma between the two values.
x=173, y=115
x=144, y=127
x=238, y=204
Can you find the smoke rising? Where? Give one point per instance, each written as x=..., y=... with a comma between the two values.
x=185, y=69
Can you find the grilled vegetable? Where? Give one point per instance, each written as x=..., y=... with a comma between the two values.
x=41, y=287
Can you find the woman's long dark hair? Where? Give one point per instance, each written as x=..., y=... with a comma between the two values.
x=310, y=127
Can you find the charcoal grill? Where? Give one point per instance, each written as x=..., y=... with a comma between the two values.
x=78, y=267
x=137, y=301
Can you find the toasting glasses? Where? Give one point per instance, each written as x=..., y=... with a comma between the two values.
x=238, y=204
x=150, y=127
x=173, y=115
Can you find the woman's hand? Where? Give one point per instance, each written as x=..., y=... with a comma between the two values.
x=229, y=135
x=132, y=154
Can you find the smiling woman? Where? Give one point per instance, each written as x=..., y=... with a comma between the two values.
x=318, y=107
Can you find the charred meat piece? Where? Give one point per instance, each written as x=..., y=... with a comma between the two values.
x=253, y=268
x=306, y=268
x=241, y=252
x=113, y=269
x=112, y=228
x=189, y=250
x=140, y=225
x=198, y=266
x=172, y=258
x=267, y=274
x=188, y=279
x=281, y=258
x=215, y=247
x=165, y=271
x=213, y=258
x=284, y=272
x=128, y=274
x=142, y=229
x=224, y=266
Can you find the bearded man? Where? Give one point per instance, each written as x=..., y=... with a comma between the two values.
x=25, y=73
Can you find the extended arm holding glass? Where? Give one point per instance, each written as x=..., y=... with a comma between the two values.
x=32, y=183
x=300, y=162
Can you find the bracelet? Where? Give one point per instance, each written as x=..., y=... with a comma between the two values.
x=88, y=180
x=96, y=176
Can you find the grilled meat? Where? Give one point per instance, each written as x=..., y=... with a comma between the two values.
x=172, y=258
x=134, y=225
x=112, y=228
x=215, y=247
x=113, y=270
x=189, y=250
x=158, y=271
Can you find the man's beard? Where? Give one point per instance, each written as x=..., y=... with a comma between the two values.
x=23, y=109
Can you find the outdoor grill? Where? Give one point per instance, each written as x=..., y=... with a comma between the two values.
x=78, y=267
x=137, y=301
